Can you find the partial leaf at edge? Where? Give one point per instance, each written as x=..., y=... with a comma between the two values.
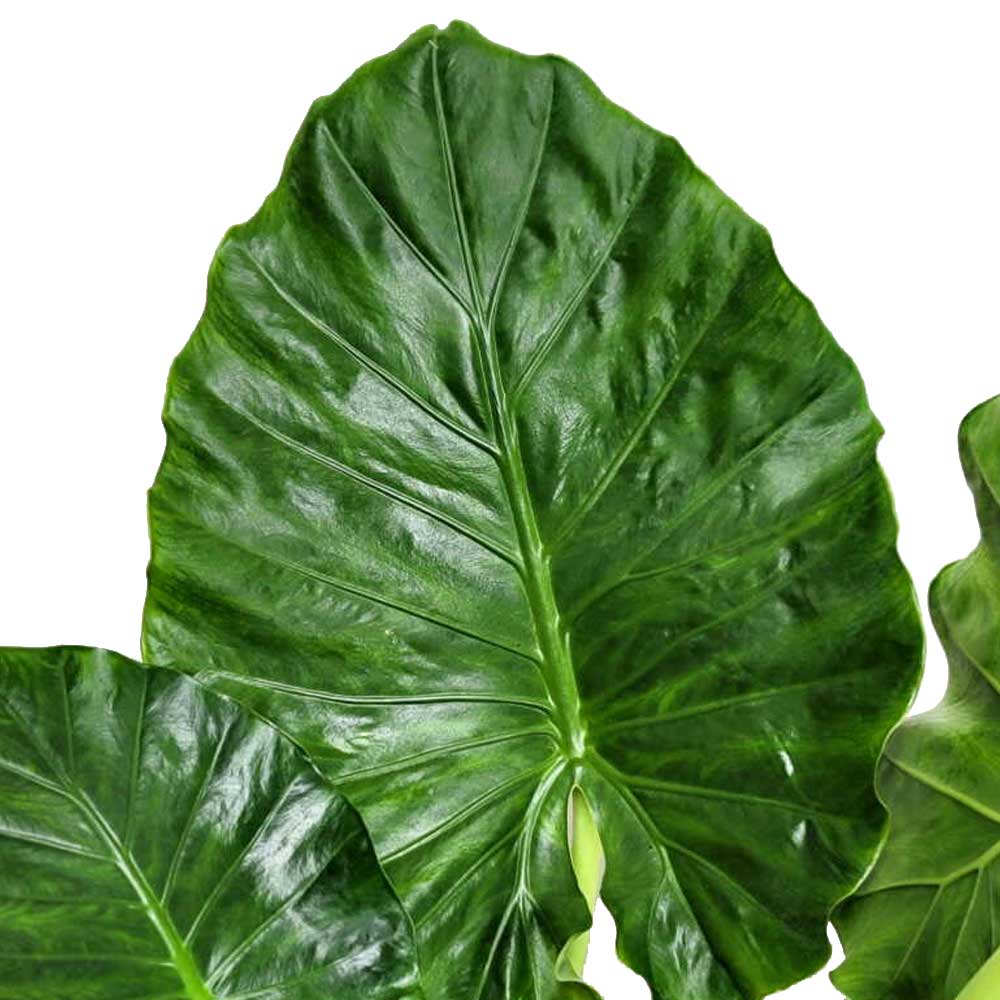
x=927, y=919
x=506, y=460
x=157, y=842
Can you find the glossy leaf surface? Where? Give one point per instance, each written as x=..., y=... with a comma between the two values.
x=927, y=918
x=506, y=461
x=159, y=843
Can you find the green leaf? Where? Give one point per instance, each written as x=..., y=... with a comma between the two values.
x=157, y=842
x=506, y=462
x=925, y=920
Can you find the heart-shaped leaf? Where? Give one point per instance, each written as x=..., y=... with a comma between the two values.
x=926, y=920
x=507, y=471
x=157, y=842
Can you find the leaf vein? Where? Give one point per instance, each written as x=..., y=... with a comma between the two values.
x=444, y=750
x=196, y=801
x=565, y=314
x=133, y=778
x=943, y=788
x=355, y=590
x=424, y=260
x=473, y=808
x=442, y=698
x=369, y=363
x=376, y=486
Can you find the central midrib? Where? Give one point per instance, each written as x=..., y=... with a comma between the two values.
x=553, y=642
x=984, y=984
x=180, y=957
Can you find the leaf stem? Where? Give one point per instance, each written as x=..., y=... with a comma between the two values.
x=587, y=857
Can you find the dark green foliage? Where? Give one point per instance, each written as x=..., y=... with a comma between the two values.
x=506, y=460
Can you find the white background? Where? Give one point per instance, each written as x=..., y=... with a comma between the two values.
x=863, y=135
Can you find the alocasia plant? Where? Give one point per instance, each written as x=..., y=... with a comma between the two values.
x=508, y=473
x=157, y=842
x=926, y=923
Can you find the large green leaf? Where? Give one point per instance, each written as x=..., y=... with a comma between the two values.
x=159, y=843
x=506, y=461
x=927, y=918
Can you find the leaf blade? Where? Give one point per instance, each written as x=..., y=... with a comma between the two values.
x=678, y=458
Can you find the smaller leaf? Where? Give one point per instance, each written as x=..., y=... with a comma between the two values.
x=926, y=923
x=159, y=842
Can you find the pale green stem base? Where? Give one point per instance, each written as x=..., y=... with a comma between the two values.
x=985, y=984
x=587, y=856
